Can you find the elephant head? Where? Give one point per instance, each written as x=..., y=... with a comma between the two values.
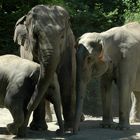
x=90, y=63
x=48, y=32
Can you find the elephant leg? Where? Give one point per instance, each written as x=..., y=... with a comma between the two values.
x=48, y=115
x=106, y=95
x=54, y=97
x=18, y=118
x=27, y=90
x=125, y=84
x=38, y=122
x=17, y=127
x=67, y=82
x=124, y=106
x=135, y=109
x=49, y=60
x=14, y=103
x=67, y=106
x=67, y=116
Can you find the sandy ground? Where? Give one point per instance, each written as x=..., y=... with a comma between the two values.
x=89, y=130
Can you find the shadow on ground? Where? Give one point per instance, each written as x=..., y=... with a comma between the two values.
x=89, y=130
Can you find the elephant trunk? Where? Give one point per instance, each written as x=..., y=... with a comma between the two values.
x=80, y=89
x=47, y=70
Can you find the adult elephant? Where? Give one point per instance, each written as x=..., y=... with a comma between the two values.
x=18, y=78
x=51, y=41
x=113, y=55
x=41, y=113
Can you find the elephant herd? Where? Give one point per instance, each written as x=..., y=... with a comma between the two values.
x=55, y=67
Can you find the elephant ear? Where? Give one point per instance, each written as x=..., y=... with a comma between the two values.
x=21, y=20
x=100, y=50
x=20, y=33
x=100, y=66
x=97, y=47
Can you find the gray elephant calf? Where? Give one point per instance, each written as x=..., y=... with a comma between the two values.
x=114, y=55
x=18, y=78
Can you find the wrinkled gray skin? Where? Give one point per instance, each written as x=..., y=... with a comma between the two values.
x=113, y=55
x=51, y=41
x=18, y=78
x=20, y=36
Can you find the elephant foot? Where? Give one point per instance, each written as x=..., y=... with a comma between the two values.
x=123, y=127
x=38, y=126
x=107, y=125
x=75, y=132
x=12, y=128
x=21, y=132
x=68, y=127
x=59, y=132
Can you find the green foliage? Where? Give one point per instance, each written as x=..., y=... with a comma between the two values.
x=132, y=11
x=9, y=13
x=86, y=16
x=91, y=17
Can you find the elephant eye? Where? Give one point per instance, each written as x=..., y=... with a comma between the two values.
x=97, y=47
x=89, y=59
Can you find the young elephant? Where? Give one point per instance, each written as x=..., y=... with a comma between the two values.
x=18, y=78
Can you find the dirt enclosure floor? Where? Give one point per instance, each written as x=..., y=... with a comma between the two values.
x=89, y=130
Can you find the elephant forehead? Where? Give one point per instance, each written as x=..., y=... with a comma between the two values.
x=44, y=9
x=53, y=29
x=90, y=36
x=46, y=14
x=50, y=23
x=86, y=45
x=89, y=40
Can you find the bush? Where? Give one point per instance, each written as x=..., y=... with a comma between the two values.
x=132, y=12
